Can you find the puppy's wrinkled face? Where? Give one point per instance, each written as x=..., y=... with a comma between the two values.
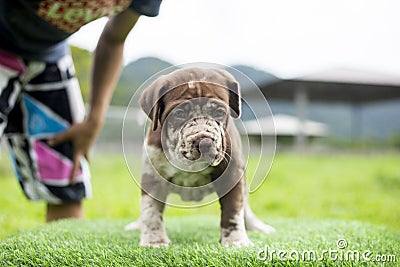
x=194, y=120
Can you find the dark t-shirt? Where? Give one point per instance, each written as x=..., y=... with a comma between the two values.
x=37, y=30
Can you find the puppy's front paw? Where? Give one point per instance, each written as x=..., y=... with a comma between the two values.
x=154, y=242
x=236, y=238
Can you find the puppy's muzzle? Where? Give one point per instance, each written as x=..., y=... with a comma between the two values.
x=201, y=141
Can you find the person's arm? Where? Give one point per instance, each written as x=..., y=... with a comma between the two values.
x=108, y=62
x=106, y=69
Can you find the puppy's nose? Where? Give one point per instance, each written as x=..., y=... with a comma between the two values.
x=204, y=145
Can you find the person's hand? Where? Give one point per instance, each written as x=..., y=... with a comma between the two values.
x=82, y=135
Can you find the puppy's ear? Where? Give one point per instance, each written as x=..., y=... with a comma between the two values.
x=151, y=101
x=235, y=102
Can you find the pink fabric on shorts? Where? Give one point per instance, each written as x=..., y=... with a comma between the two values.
x=11, y=62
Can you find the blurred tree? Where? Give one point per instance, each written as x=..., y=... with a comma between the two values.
x=133, y=75
x=83, y=65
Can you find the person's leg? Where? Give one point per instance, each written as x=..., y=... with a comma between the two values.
x=62, y=211
x=10, y=70
x=49, y=103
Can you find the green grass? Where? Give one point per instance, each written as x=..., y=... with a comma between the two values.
x=356, y=187
x=311, y=199
x=195, y=243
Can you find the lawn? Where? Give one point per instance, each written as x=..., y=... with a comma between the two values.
x=311, y=242
x=312, y=200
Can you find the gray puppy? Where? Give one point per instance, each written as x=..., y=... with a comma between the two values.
x=193, y=148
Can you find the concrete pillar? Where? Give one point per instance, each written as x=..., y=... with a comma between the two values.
x=301, y=105
x=356, y=122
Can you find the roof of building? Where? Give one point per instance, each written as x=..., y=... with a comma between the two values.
x=342, y=85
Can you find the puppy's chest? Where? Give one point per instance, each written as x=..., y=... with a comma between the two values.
x=188, y=179
x=176, y=176
x=183, y=178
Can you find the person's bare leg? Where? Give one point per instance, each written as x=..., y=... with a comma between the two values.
x=64, y=211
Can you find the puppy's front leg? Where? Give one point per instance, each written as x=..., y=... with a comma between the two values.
x=151, y=216
x=152, y=226
x=233, y=230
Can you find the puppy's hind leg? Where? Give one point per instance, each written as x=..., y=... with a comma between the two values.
x=135, y=225
x=251, y=221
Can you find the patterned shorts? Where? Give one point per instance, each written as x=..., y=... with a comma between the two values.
x=37, y=101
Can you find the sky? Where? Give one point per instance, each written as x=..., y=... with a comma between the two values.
x=288, y=38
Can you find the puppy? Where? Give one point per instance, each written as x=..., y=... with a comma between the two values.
x=193, y=149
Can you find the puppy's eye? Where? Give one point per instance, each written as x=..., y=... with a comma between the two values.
x=219, y=113
x=180, y=114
